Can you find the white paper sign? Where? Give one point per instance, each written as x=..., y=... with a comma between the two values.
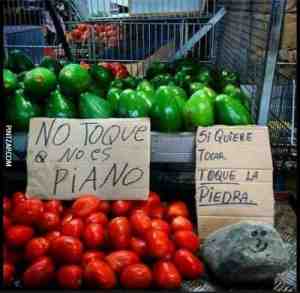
x=109, y=158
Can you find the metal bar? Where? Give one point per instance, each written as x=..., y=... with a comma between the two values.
x=278, y=9
x=200, y=34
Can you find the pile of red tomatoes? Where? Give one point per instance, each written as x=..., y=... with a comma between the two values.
x=93, y=243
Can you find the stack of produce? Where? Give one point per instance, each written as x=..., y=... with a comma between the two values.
x=107, y=34
x=177, y=97
x=93, y=243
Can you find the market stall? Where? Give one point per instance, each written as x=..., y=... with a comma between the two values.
x=146, y=146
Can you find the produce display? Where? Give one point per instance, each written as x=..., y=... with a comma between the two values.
x=93, y=243
x=177, y=97
x=108, y=35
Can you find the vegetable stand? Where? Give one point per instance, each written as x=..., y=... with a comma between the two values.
x=225, y=47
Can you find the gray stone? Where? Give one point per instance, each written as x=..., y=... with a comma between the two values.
x=247, y=252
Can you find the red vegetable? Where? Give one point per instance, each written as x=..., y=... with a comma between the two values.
x=119, y=233
x=120, y=259
x=66, y=249
x=18, y=235
x=187, y=239
x=166, y=275
x=39, y=274
x=85, y=205
x=136, y=276
x=188, y=264
x=98, y=274
x=36, y=248
x=69, y=277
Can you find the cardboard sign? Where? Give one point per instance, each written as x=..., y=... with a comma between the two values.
x=106, y=157
x=234, y=176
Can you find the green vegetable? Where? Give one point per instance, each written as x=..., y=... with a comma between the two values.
x=195, y=86
x=74, y=80
x=231, y=111
x=182, y=79
x=117, y=83
x=51, y=64
x=161, y=79
x=166, y=114
x=92, y=106
x=39, y=82
x=131, y=105
x=146, y=86
x=205, y=76
x=10, y=82
x=20, y=110
x=226, y=77
x=101, y=75
x=179, y=95
x=18, y=61
x=113, y=97
x=199, y=110
x=131, y=82
x=59, y=106
x=156, y=68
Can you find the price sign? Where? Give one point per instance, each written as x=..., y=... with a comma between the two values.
x=234, y=176
x=109, y=158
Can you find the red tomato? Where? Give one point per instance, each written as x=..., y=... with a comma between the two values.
x=28, y=212
x=177, y=208
x=6, y=205
x=157, y=212
x=6, y=222
x=152, y=202
x=158, y=243
x=66, y=249
x=187, y=239
x=39, y=274
x=139, y=246
x=189, y=266
x=76, y=34
x=53, y=206
x=121, y=208
x=85, y=205
x=69, y=277
x=181, y=223
x=18, y=197
x=136, y=276
x=171, y=252
x=11, y=256
x=8, y=274
x=93, y=235
x=140, y=223
x=120, y=259
x=104, y=206
x=97, y=218
x=166, y=275
x=92, y=255
x=82, y=27
x=67, y=218
x=119, y=233
x=72, y=228
x=36, y=248
x=18, y=235
x=50, y=236
x=98, y=274
x=158, y=224
x=49, y=222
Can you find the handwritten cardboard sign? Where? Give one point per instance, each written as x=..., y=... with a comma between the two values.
x=106, y=157
x=234, y=176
